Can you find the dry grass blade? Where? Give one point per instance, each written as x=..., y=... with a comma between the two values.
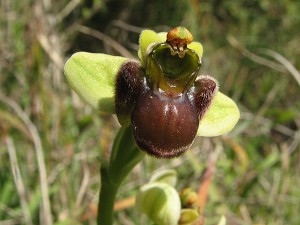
x=263, y=121
x=11, y=121
x=126, y=26
x=241, y=153
x=67, y=10
x=9, y=222
x=18, y=179
x=123, y=51
x=39, y=154
x=54, y=55
x=84, y=184
x=124, y=203
x=207, y=179
x=295, y=143
x=49, y=39
x=234, y=43
x=289, y=66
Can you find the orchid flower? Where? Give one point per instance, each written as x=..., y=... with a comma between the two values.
x=162, y=96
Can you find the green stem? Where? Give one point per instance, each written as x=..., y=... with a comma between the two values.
x=107, y=197
x=124, y=157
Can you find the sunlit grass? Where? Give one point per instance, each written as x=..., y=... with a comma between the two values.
x=256, y=179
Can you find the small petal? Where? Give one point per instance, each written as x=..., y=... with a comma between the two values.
x=147, y=38
x=197, y=47
x=163, y=36
x=92, y=77
x=221, y=117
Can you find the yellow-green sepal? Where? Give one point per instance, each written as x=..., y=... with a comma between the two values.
x=163, y=36
x=92, y=77
x=221, y=117
x=197, y=47
x=147, y=37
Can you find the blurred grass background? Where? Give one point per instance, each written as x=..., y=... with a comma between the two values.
x=51, y=143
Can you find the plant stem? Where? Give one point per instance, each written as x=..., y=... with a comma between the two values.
x=107, y=197
x=124, y=157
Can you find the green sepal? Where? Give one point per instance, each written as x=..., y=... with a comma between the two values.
x=163, y=36
x=221, y=117
x=92, y=77
x=197, y=47
x=147, y=37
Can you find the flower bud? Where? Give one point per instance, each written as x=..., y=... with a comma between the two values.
x=188, y=216
x=160, y=202
x=188, y=197
x=165, y=176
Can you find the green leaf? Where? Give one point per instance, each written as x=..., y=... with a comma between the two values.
x=92, y=77
x=221, y=117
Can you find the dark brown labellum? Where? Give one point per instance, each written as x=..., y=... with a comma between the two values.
x=164, y=126
x=163, y=102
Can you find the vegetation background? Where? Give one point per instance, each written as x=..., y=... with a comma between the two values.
x=51, y=142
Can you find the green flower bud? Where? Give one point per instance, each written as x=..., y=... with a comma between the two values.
x=160, y=202
x=165, y=176
x=188, y=216
x=188, y=197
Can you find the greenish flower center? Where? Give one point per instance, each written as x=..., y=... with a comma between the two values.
x=170, y=73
